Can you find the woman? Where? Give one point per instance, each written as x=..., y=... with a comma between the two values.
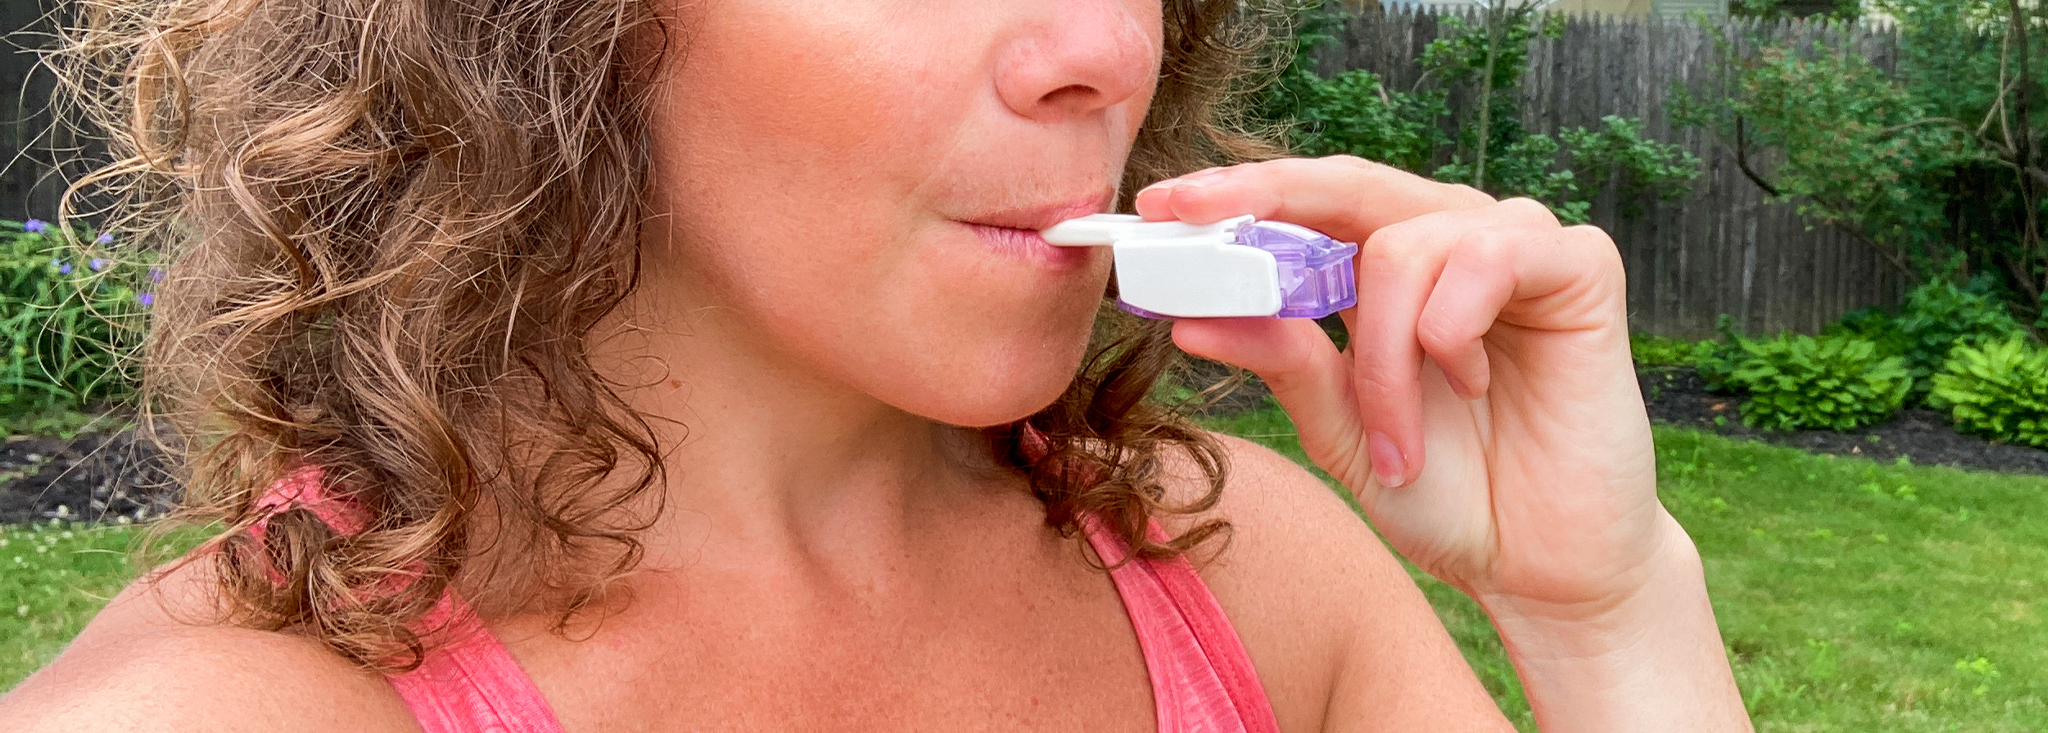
x=623, y=366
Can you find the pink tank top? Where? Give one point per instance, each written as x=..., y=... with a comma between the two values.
x=1202, y=678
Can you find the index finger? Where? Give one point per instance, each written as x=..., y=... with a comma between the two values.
x=1343, y=196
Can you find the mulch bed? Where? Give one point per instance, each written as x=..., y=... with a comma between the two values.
x=1678, y=396
x=105, y=477
x=92, y=478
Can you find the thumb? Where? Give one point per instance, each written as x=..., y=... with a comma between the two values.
x=1309, y=377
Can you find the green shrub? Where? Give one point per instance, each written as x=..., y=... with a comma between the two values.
x=1997, y=390
x=1797, y=382
x=1717, y=362
x=1483, y=144
x=1937, y=317
x=1871, y=324
x=1660, y=351
x=66, y=318
x=1353, y=113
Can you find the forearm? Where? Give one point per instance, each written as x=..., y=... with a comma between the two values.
x=1653, y=662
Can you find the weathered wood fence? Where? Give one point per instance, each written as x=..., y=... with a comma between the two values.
x=30, y=148
x=1720, y=249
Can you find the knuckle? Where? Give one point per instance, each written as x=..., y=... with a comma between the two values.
x=1469, y=195
x=1442, y=336
x=1523, y=207
x=1289, y=166
x=1387, y=251
x=1597, y=240
x=1487, y=248
x=1380, y=383
x=1347, y=159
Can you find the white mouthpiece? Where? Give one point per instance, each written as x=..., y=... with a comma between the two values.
x=1177, y=269
x=1102, y=230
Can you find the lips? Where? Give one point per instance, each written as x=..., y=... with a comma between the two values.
x=1036, y=217
x=1014, y=231
x=1030, y=246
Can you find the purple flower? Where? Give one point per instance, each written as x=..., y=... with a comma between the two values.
x=156, y=275
x=145, y=299
x=35, y=225
x=105, y=238
x=64, y=269
x=98, y=264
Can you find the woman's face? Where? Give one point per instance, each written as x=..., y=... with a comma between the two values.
x=853, y=187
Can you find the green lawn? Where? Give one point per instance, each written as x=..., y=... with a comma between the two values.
x=53, y=578
x=1853, y=596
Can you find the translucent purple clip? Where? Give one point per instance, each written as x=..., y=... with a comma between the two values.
x=1316, y=275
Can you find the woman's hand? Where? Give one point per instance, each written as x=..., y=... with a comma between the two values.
x=1486, y=413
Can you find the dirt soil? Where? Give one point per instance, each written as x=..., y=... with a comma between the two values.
x=107, y=477
x=97, y=478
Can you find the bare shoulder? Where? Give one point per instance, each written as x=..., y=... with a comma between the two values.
x=1342, y=638
x=140, y=666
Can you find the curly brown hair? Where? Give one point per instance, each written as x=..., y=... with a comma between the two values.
x=362, y=207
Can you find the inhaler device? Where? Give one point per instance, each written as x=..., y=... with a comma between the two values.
x=1239, y=267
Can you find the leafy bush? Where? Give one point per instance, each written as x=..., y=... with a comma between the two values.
x=1916, y=158
x=1798, y=382
x=1645, y=165
x=66, y=319
x=1717, y=363
x=1660, y=351
x=1354, y=114
x=1998, y=390
x=1483, y=143
x=1937, y=317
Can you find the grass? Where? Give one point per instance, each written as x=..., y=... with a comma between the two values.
x=64, y=423
x=53, y=577
x=1853, y=596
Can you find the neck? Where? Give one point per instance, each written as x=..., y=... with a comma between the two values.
x=767, y=455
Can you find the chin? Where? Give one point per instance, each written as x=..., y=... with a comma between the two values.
x=989, y=393
x=989, y=405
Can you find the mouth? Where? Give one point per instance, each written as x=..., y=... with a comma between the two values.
x=1043, y=215
x=1015, y=231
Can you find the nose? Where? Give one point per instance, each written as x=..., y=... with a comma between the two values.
x=1073, y=57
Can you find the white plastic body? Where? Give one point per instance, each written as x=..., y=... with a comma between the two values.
x=1178, y=269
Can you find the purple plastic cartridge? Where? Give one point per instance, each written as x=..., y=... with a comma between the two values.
x=1238, y=267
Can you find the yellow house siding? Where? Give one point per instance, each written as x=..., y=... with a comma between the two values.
x=1632, y=8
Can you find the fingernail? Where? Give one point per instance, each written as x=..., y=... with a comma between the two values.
x=1386, y=461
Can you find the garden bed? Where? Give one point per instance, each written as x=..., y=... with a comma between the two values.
x=109, y=477
x=1678, y=396
x=103, y=477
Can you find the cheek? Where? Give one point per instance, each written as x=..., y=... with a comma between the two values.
x=792, y=152
x=775, y=139
x=798, y=108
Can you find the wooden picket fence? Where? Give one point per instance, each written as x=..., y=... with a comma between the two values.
x=1720, y=249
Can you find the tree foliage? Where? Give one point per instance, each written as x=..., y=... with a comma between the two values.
x=1481, y=140
x=1937, y=164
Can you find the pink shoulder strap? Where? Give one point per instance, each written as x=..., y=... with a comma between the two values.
x=468, y=680
x=1202, y=677
x=472, y=683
